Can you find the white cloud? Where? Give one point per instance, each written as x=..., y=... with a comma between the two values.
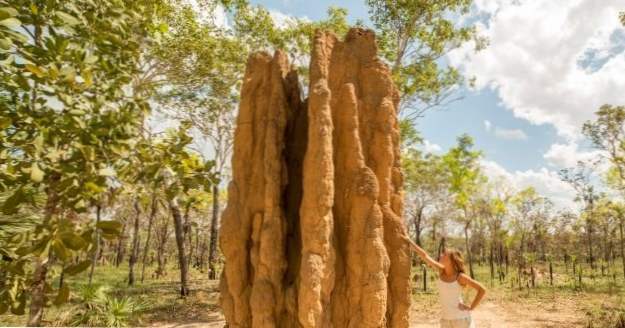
x=487, y=125
x=281, y=19
x=511, y=134
x=503, y=133
x=565, y=155
x=546, y=182
x=538, y=61
x=430, y=147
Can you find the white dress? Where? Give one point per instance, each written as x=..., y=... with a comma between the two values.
x=450, y=295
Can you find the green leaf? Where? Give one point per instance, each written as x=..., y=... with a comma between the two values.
x=11, y=23
x=23, y=251
x=110, y=227
x=5, y=43
x=42, y=246
x=72, y=241
x=77, y=268
x=38, y=142
x=67, y=18
x=60, y=250
x=36, y=174
x=12, y=203
x=93, y=187
x=8, y=12
x=5, y=122
x=63, y=295
x=35, y=70
x=77, y=112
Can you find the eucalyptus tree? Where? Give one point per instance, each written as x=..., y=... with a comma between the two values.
x=177, y=171
x=464, y=177
x=607, y=133
x=580, y=178
x=425, y=183
x=67, y=118
x=606, y=218
x=203, y=67
x=414, y=37
x=494, y=213
x=619, y=209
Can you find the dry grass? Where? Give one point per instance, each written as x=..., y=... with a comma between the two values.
x=544, y=306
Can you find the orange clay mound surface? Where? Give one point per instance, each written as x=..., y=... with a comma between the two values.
x=311, y=232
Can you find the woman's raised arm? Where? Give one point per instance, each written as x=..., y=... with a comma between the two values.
x=423, y=254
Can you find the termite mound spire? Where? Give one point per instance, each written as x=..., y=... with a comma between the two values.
x=311, y=234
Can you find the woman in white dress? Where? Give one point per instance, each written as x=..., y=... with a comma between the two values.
x=452, y=279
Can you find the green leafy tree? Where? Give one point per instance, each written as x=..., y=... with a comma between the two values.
x=67, y=119
x=171, y=167
x=462, y=165
x=580, y=178
x=425, y=181
x=203, y=66
x=414, y=36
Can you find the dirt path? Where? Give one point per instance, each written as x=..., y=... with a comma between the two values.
x=495, y=315
x=491, y=314
x=487, y=316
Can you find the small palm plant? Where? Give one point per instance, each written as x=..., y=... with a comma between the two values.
x=98, y=308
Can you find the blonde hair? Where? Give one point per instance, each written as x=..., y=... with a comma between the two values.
x=457, y=259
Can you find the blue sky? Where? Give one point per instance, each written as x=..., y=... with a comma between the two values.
x=536, y=85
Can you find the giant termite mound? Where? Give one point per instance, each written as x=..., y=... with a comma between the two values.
x=311, y=232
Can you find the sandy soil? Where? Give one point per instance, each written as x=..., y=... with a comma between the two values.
x=489, y=315
x=495, y=315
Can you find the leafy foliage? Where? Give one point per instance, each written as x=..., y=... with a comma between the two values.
x=413, y=36
x=68, y=124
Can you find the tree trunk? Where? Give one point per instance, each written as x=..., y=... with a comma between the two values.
x=466, y=242
x=417, y=225
x=160, y=250
x=212, y=246
x=97, y=242
x=589, y=230
x=187, y=233
x=146, y=248
x=425, y=278
x=491, y=262
x=135, y=245
x=182, y=260
x=121, y=247
x=550, y=273
x=37, y=291
x=198, y=261
x=622, y=244
x=433, y=232
x=38, y=284
x=62, y=278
